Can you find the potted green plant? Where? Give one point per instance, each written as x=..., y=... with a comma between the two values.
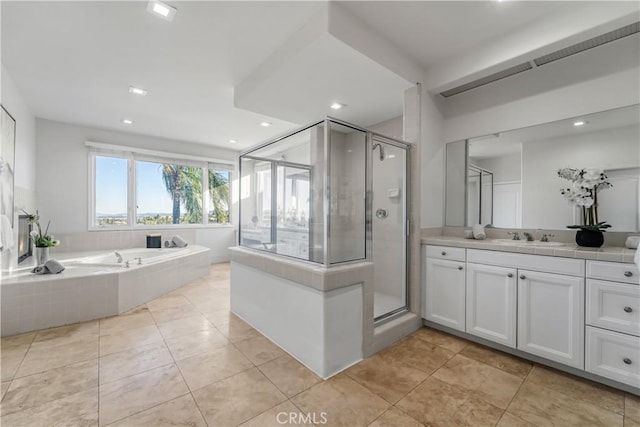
x=586, y=183
x=41, y=241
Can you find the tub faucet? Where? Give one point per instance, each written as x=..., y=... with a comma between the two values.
x=545, y=237
x=118, y=256
x=529, y=236
x=139, y=259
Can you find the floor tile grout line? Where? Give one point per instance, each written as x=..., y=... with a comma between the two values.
x=524, y=380
x=582, y=380
x=146, y=409
x=24, y=356
x=49, y=401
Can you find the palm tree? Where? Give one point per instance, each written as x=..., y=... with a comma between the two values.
x=184, y=184
x=219, y=193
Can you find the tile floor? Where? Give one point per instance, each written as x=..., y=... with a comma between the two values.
x=183, y=359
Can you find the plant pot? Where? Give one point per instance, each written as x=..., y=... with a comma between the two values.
x=41, y=255
x=589, y=238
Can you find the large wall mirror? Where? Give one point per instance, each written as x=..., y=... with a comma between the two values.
x=509, y=179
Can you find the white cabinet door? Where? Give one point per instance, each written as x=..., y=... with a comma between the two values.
x=491, y=303
x=551, y=316
x=444, y=293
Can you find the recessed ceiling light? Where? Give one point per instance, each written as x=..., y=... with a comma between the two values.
x=232, y=141
x=265, y=124
x=337, y=106
x=579, y=123
x=137, y=91
x=127, y=121
x=161, y=10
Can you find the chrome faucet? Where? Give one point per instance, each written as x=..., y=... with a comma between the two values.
x=529, y=236
x=545, y=237
x=118, y=256
x=515, y=235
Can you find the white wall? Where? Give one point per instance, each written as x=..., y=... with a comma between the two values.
x=542, y=204
x=25, y=155
x=62, y=185
x=504, y=168
x=432, y=149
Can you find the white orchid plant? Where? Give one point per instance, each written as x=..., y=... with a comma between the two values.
x=40, y=239
x=586, y=183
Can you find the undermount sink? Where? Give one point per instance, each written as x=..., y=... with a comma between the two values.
x=526, y=243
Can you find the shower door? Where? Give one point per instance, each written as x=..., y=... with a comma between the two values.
x=389, y=226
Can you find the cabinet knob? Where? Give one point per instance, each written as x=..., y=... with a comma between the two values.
x=443, y=253
x=628, y=274
x=460, y=268
x=522, y=277
x=509, y=274
x=627, y=361
x=628, y=309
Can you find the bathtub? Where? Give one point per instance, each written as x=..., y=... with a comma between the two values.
x=145, y=255
x=95, y=285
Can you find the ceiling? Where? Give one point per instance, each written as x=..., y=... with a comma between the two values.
x=434, y=31
x=74, y=61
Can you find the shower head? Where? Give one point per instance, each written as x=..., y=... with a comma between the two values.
x=378, y=145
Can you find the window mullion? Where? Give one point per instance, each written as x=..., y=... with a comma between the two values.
x=205, y=195
x=132, y=199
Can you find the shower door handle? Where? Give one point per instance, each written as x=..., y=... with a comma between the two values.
x=382, y=213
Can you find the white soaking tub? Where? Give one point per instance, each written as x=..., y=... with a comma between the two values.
x=95, y=285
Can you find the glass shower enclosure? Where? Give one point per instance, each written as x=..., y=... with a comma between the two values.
x=331, y=193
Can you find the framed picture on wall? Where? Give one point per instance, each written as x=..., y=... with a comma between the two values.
x=7, y=162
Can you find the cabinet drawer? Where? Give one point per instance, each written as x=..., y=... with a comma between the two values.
x=446, y=252
x=616, y=271
x=547, y=264
x=614, y=306
x=613, y=355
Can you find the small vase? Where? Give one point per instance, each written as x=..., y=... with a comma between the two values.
x=41, y=255
x=589, y=238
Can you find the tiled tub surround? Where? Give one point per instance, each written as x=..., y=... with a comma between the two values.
x=93, y=285
x=314, y=313
x=573, y=309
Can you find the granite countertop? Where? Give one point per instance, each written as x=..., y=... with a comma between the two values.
x=567, y=250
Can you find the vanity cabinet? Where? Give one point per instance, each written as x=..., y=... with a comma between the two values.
x=613, y=321
x=444, y=295
x=491, y=302
x=532, y=303
x=551, y=316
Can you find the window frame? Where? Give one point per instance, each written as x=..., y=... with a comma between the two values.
x=132, y=155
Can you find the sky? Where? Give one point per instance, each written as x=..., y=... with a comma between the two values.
x=111, y=187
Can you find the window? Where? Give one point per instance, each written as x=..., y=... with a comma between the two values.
x=111, y=191
x=168, y=193
x=134, y=189
x=218, y=191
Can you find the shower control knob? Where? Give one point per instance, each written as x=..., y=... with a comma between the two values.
x=628, y=274
x=628, y=309
x=627, y=361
